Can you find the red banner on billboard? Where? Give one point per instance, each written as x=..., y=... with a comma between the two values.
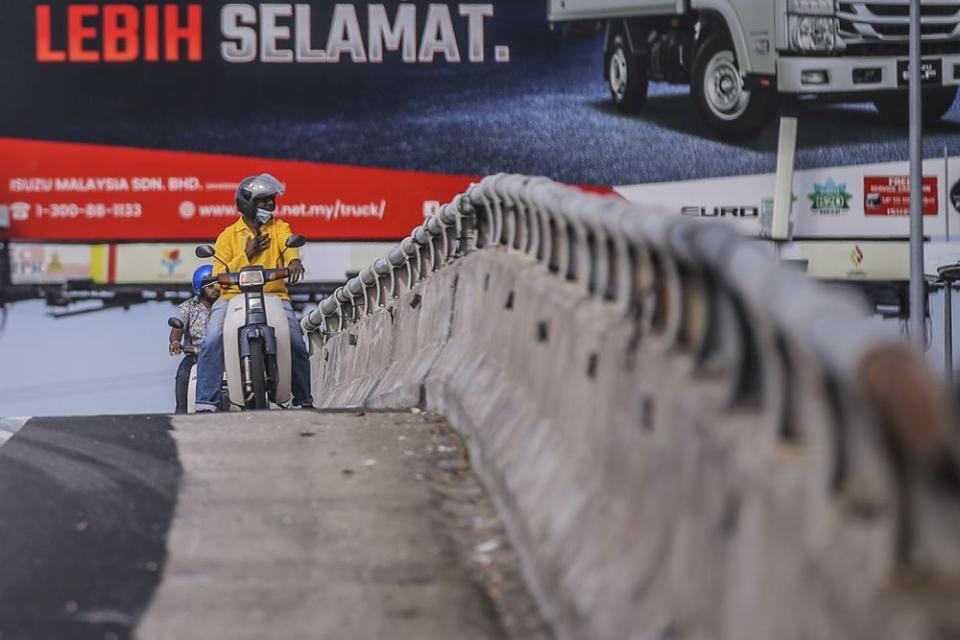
x=76, y=192
x=890, y=196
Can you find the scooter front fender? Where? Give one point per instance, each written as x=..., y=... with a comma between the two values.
x=234, y=331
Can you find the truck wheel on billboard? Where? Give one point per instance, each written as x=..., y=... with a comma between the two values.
x=627, y=76
x=895, y=108
x=717, y=88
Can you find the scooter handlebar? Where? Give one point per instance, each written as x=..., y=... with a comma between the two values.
x=236, y=279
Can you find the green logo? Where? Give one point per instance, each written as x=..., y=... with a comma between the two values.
x=830, y=198
x=766, y=205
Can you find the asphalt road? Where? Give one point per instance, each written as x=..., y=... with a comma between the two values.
x=86, y=504
x=273, y=525
x=543, y=114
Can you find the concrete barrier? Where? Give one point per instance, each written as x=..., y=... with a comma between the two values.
x=685, y=439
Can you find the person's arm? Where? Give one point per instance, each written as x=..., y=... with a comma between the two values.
x=175, y=346
x=255, y=246
x=292, y=254
x=176, y=335
x=228, y=252
x=223, y=252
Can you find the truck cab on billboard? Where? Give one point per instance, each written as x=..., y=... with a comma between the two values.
x=739, y=56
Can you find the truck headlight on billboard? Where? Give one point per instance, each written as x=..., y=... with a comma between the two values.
x=813, y=33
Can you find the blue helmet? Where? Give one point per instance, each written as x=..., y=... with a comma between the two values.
x=202, y=277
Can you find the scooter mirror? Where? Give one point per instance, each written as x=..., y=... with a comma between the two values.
x=176, y=323
x=295, y=242
x=205, y=251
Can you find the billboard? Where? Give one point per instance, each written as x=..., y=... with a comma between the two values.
x=87, y=193
x=890, y=195
x=53, y=263
x=859, y=201
x=158, y=263
x=180, y=100
x=130, y=121
x=35, y=263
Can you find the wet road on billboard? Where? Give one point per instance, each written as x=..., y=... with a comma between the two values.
x=281, y=524
x=548, y=115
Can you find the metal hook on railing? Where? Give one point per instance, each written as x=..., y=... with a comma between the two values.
x=368, y=278
x=662, y=304
x=511, y=190
x=437, y=232
x=576, y=238
x=534, y=216
x=424, y=251
x=353, y=290
x=494, y=201
x=449, y=217
x=542, y=199
x=722, y=341
x=748, y=274
x=382, y=270
x=467, y=227
x=621, y=270
x=411, y=252
x=397, y=260
x=598, y=256
x=558, y=256
x=340, y=298
x=487, y=223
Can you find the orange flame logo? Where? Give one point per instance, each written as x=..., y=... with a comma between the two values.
x=856, y=256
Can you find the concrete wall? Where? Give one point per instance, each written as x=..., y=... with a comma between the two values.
x=685, y=441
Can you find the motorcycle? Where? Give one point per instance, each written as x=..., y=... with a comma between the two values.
x=256, y=336
x=194, y=351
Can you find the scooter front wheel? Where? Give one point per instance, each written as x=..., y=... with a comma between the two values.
x=258, y=376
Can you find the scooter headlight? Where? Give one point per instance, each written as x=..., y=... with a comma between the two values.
x=251, y=278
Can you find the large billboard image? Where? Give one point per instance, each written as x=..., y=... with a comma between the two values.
x=132, y=120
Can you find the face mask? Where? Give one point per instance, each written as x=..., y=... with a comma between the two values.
x=264, y=216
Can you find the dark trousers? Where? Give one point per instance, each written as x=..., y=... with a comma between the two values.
x=183, y=382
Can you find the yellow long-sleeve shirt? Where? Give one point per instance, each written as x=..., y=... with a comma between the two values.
x=231, y=246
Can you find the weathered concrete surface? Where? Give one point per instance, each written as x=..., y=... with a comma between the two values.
x=333, y=525
x=645, y=502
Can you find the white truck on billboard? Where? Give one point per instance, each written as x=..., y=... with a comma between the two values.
x=740, y=56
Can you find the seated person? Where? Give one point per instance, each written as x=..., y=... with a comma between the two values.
x=194, y=314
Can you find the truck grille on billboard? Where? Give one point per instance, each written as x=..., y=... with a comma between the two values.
x=863, y=25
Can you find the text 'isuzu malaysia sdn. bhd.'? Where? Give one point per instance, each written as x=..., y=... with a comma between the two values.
x=739, y=56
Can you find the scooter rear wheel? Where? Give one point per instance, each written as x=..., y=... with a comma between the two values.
x=258, y=374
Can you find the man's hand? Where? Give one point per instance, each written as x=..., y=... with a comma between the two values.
x=175, y=347
x=256, y=245
x=296, y=271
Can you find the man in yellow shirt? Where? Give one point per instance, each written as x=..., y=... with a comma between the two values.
x=256, y=238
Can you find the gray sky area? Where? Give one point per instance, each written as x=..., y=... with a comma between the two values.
x=112, y=362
